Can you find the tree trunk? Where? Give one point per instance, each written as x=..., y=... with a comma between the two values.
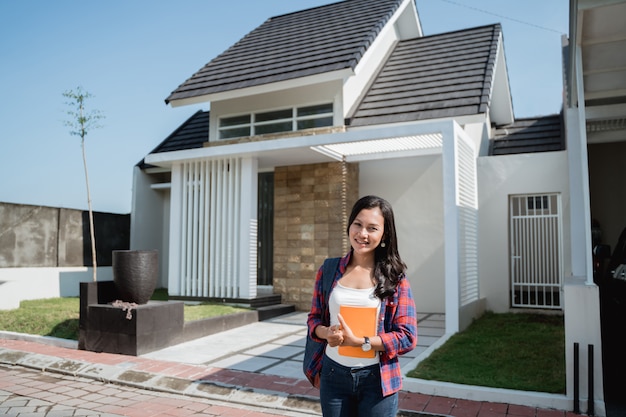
x=91, y=226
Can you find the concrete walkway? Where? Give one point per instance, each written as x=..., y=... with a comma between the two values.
x=253, y=370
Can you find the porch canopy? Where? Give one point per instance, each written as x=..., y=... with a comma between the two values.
x=354, y=145
x=446, y=138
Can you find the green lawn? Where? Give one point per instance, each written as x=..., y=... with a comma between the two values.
x=58, y=317
x=514, y=351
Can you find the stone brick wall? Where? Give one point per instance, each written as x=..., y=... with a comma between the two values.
x=311, y=206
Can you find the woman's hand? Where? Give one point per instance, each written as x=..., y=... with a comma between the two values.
x=348, y=338
x=341, y=334
x=334, y=335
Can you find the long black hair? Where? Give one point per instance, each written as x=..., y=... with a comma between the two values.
x=388, y=266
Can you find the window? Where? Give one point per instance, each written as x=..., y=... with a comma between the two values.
x=276, y=121
x=537, y=202
x=314, y=116
x=234, y=127
x=273, y=122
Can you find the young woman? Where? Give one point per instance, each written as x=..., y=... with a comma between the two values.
x=360, y=373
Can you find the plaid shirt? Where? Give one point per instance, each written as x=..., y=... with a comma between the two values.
x=397, y=326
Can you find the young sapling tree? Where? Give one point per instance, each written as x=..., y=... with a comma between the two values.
x=80, y=123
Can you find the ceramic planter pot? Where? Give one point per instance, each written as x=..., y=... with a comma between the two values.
x=135, y=274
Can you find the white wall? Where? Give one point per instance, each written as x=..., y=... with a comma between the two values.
x=582, y=304
x=18, y=284
x=498, y=178
x=149, y=220
x=413, y=186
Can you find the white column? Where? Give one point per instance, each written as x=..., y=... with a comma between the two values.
x=580, y=205
x=173, y=276
x=248, y=228
x=451, y=230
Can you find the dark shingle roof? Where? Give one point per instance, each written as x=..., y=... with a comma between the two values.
x=541, y=134
x=309, y=42
x=431, y=77
x=191, y=134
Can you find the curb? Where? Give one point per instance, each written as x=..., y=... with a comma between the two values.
x=290, y=404
x=161, y=383
x=42, y=340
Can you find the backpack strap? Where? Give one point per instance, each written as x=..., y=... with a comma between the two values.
x=313, y=349
x=328, y=278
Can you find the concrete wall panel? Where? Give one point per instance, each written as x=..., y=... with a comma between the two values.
x=48, y=237
x=28, y=236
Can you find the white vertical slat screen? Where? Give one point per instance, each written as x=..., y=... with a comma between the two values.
x=210, y=228
x=467, y=202
x=253, y=248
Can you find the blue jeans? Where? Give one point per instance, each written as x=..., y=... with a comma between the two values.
x=354, y=392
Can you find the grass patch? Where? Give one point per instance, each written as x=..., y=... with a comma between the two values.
x=514, y=351
x=58, y=317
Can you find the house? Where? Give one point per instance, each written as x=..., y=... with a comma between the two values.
x=315, y=108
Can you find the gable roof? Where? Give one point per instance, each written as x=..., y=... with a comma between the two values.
x=542, y=134
x=294, y=45
x=191, y=134
x=445, y=75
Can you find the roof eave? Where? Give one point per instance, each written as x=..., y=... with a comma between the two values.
x=408, y=23
x=264, y=88
x=501, y=101
x=296, y=151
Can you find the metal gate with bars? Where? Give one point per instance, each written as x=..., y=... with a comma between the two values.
x=535, y=250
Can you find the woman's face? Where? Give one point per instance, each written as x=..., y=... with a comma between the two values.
x=367, y=230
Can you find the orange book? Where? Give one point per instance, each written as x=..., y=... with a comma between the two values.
x=362, y=322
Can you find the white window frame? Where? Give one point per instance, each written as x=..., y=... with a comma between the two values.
x=252, y=124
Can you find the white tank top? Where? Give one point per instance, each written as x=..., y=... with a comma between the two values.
x=341, y=295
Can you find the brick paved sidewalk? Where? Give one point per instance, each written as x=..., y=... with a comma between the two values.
x=164, y=380
x=27, y=392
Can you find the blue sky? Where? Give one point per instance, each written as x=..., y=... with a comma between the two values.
x=130, y=54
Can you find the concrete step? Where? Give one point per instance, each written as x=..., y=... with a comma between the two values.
x=265, y=300
x=274, y=310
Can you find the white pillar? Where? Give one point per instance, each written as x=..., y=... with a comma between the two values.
x=451, y=230
x=173, y=276
x=580, y=205
x=248, y=228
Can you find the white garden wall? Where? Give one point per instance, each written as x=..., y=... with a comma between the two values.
x=498, y=178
